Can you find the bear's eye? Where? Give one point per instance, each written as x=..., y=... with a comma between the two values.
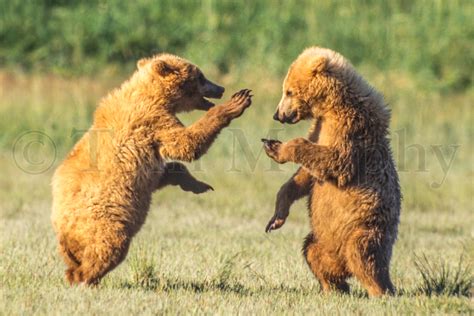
x=201, y=79
x=289, y=93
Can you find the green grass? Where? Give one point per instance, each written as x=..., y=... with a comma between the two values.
x=440, y=278
x=209, y=253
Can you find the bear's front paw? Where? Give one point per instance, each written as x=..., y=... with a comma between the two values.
x=238, y=103
x=275, y=150
x=274, y=223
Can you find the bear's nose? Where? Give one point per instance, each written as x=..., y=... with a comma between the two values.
x=275, y=116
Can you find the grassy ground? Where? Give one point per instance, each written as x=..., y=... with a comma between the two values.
x=209, y=253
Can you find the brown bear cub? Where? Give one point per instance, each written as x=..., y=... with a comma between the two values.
x=346, y=169
x=102, y=191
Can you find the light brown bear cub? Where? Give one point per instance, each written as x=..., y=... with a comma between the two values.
x=346, y=169
x=102, y=191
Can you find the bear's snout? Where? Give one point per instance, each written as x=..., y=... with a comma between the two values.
x=212, y=90
x=283, y=118
x=275, y=116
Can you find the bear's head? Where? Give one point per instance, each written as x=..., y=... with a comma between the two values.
x=306, y=86
x=181, y=83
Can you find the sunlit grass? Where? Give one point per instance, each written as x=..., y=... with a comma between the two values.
x=208, y=253
x=442, y=278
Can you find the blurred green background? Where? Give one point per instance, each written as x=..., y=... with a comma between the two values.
x=432, y=40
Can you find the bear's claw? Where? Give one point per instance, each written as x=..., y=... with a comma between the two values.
x=271, y=147
x=238, y=103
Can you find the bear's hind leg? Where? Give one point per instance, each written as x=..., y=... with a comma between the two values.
x=69, y=258
x=176, y=173
x=330, y=271
x=99, y=259
x=368, y=261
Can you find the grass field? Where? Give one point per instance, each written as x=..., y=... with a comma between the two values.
x=208, y=253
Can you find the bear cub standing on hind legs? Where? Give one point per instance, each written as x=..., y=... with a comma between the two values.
x=102, y=191
x=346, y=169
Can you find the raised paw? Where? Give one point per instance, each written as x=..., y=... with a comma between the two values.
x=238, y=103
x=272, y=148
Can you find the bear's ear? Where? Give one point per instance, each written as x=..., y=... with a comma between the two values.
x=162, y=68
x=142, y=63
x=318, y=64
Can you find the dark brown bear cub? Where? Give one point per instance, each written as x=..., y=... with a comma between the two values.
x=347, y=170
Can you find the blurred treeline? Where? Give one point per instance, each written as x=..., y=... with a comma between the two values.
x=429, y=39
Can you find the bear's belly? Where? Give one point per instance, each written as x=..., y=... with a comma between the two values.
x=335, y=213
x=119, y=199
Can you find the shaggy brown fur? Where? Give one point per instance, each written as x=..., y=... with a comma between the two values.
x=347, y=169
x=102, y=191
